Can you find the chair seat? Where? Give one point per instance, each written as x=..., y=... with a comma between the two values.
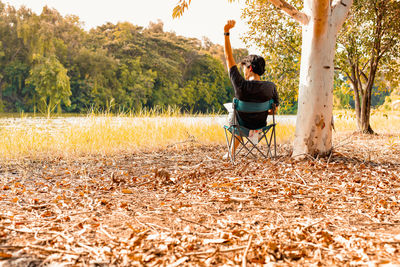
x=243, y=131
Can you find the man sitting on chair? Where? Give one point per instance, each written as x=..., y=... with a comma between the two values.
x=250, y=88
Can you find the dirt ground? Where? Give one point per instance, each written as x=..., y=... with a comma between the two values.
x=184, y=206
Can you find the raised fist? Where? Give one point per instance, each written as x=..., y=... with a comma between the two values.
x=229, y=25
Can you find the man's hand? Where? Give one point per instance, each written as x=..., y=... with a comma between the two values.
x=229, y=25
x=230, y=61
x=273, y=111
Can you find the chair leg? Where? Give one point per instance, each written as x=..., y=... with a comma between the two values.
x=254, y=146
x=249, y=151
x=270, y=141
x=273, y=129
x=229, y=143
x=234, y=147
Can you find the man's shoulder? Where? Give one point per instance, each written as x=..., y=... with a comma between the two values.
x=269, y=83
x=234, y=68
x=266, y=85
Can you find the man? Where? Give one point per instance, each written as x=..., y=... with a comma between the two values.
x=250, y=88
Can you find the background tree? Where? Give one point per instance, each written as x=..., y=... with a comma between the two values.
x=51, y=82
x=370, y=38
x=14, y=67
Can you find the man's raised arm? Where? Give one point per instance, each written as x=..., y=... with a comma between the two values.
x=230, y=61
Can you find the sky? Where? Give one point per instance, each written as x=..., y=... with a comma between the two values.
x=203, y=18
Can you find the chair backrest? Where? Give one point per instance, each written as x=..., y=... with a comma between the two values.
x=252, y=107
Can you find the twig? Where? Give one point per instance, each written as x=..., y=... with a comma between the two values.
x=308, y=226
x=88, y=248
x=213, y=251
x=299, y=184
x=106, y=233
x=378, y=223
x=207, y=227
x=80, y=213
x=244, y=258
x=19, y=230
x=146, y=225
x=11, y=247
x=54, y=250
x=160, y=227
x=37, y=232
x=329, y=159
x=144, y=183
x=178, y=262
x=342, y=143
x=251, y=180
x=298, y=175
x=314, y=245
x=239, y=199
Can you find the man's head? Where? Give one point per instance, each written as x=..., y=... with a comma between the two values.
x=253, y=63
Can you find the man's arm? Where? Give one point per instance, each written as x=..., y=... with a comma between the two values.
x=275, y=97
x=230, y=61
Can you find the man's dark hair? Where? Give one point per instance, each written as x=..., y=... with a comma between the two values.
x=256, y=62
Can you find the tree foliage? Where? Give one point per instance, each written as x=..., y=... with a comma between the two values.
x=51, y=82
x=49, y=61
x=279, y=38
x=368, y=46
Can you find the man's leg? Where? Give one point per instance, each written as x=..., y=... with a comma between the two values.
x=234, y=145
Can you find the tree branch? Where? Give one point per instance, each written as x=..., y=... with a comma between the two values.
x=291, y=11
x=340, y=9
x=288, y=44
x=347, y=75
x=390, y=44
x=366, y=64
x=364, y=75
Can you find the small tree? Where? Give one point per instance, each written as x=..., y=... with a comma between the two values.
x=51, y=84
x=370, y=38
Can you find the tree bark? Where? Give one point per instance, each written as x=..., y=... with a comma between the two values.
x=354, y=82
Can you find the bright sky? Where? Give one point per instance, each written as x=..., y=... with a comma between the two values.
x=203, y=18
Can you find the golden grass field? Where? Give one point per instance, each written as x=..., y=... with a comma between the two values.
x=108, y=134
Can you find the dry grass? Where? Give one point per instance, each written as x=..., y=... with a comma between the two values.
x=110, y=134
x=381, y=122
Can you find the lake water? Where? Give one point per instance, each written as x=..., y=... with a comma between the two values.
x=53, y=124
x=284, y=119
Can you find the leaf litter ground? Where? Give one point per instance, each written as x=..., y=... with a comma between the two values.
x=185, y=206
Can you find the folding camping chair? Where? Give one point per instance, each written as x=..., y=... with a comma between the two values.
x=239, y=133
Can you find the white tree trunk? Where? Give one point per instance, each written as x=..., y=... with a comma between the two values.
x=313, y=128
x=313, y=134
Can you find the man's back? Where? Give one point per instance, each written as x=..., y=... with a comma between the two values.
x=253, y=91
